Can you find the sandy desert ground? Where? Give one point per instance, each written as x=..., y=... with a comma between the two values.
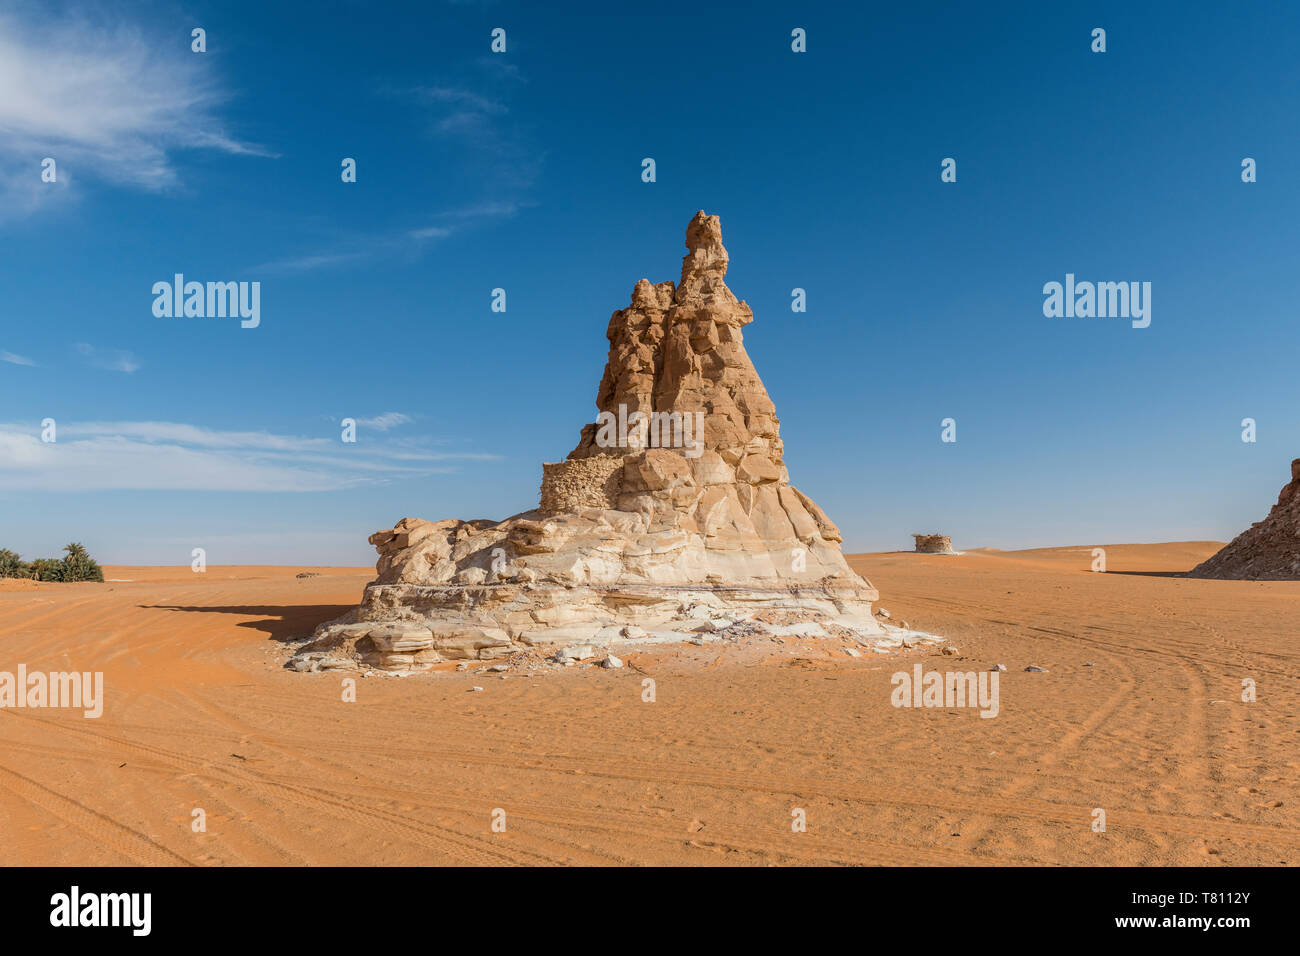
x=199, y=713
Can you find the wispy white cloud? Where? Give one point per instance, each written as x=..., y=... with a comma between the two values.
x=104, y=100
x=179, y=433
x=465, y=100
x=409, y=242
x=308, y=263
x=14, y=359
x=486, y=210
x=115, y=360
x=385, y=421
x=174, y=456
x=472, y=118
x=452, y=221
x=475, y=119
x=431, y=232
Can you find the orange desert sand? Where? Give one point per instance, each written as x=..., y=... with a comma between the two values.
x=201, y=714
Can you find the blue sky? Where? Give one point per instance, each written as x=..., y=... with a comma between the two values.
x=522, y=171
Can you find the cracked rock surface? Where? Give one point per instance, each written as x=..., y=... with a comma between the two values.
x=673, y=515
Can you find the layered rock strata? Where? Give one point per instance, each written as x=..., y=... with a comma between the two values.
x=933, y=544
x=673, y=516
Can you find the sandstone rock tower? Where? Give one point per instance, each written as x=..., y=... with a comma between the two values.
x=675, y=509
x=1268, y=550
x=933, y=544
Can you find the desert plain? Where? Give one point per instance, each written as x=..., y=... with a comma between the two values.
x=1139, y=714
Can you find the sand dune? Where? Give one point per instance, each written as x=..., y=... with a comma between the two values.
x=199, y=714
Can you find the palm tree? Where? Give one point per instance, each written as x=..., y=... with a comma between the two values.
x=11, y=565
x=47, y=569
x=78, y=565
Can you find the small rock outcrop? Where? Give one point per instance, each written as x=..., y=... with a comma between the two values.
x=933, y=544
x=674, y=509
x=1268, y=550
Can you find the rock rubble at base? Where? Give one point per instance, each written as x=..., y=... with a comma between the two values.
x=779, y=631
